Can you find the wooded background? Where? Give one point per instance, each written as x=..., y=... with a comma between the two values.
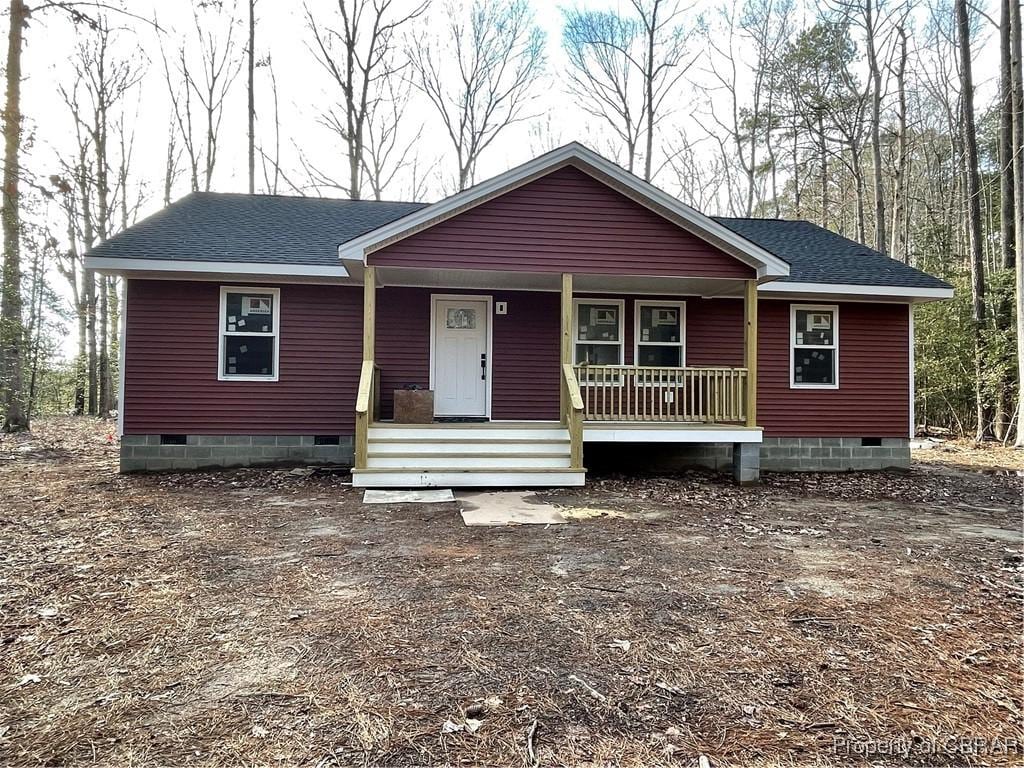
x=866, y=117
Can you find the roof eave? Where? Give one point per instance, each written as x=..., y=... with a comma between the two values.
x=131, y=267
x=902, y=293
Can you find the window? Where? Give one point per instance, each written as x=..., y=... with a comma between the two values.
x=660, y=329
x=814, y=346
x=599, y=336
x=249, y=323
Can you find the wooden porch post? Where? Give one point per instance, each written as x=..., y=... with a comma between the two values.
x=566, y=356
x=369, y=311
x=750, y=349
x=364, y=395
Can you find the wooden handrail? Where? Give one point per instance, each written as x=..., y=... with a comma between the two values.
x=575, y=396
x=573, y=417
x=364, y=397
x=365, y=387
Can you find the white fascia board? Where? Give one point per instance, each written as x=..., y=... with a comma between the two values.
x=882, y=292
x=767, y=264
x=109, y=265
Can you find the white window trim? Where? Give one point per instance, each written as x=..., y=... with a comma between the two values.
x=621, y=304
x=222, y=333
x=637, y=343
x=793, y=346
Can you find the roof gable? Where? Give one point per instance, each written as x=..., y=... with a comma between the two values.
x=767, y=265
x=563, y=221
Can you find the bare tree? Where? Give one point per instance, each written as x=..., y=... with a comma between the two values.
x=602, y=46
x=624, y=69
x=360, y=53
x=480, y=76
x=201, y=86
x=750, y=119
x=251, y=111
x=101, y=84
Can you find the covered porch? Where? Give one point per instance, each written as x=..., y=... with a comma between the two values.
x=527, y=433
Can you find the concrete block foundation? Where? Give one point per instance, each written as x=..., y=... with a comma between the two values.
x=747, y=460
x=834, y=454
x=155, y=453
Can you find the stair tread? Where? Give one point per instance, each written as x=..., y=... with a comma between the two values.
x=463, y=455
x=481, y=470
x=472, y=440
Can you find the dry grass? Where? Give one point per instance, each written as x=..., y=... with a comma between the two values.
x=261, y=618
x=967, y=453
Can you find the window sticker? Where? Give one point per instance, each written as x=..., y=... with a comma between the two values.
x=255, y=305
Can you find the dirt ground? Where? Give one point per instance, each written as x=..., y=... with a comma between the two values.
x=267, y=618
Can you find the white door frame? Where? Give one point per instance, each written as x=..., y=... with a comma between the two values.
x=434, y=298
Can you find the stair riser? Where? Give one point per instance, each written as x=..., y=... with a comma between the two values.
x=469, y=462
x=399, y=479
x=494, y=434
x=462, y=448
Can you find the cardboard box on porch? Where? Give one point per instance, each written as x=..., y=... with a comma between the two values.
x=414, y=406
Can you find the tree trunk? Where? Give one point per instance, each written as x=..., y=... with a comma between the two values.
x=252, y=96
x=103, y=342
x=900, y=244
x=15, y=418
x=649, y=90
x=876, y=120
x=1017, y=153
x=973, y=200
x=92, y=405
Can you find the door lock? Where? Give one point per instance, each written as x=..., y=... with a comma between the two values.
x=483, y=367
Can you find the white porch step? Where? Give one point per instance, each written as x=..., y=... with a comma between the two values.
x=457, y=478
x=475, y=432
x=476, y=446
x=466, y=461
x=459, y=455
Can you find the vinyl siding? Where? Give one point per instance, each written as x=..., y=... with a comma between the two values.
x=171, y=383
x=565, y=221
x=873, y=399
x=171, y=347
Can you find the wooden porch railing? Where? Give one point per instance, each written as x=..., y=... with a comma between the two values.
x=642, y=393
x=367, y=409
x=573, y=416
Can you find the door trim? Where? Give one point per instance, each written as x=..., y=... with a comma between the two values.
x=489, y=300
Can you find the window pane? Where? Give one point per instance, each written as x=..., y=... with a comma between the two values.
x=814, y=366
x=814, y=326
x=250, y=312
x=598, y=354
x=659, y=324
x=463, y=318
x=598, y=322
x=663, y=356
x=249, y=355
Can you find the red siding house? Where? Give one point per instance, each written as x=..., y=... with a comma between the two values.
x=493, y=337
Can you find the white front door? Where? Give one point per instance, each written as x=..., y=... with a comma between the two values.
x=460, y=357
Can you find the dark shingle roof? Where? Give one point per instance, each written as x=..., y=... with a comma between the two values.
x=266, y=229
x=816, y=255
x=273, y=229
